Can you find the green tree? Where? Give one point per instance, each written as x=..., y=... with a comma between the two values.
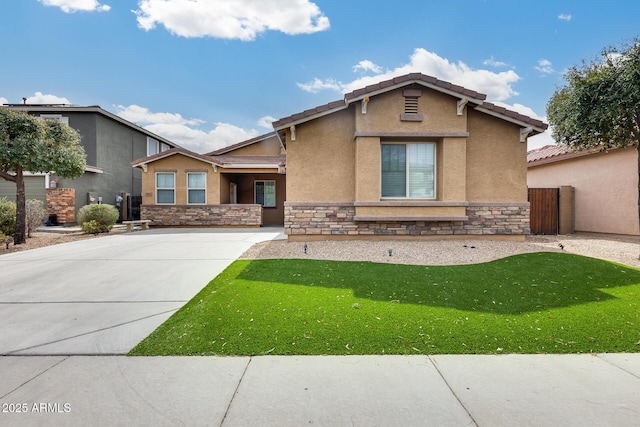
x=30, y=144
x=599, y=106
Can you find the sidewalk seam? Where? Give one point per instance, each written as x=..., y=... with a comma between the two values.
x=435, y=365
x=235, y=392
x=617, y=366
x=34, y=377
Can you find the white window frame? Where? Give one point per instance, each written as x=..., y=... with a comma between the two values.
x=407, y=170
x=152, y=143
x=264, y=183
x=173, y=189
x=57, y=117
x=189, y=189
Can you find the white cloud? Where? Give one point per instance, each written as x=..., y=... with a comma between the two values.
x=40, y=98
x=564, y=17
x=141, y=115
x=540, y=140
x=3, y=100
x=544, y=66
x=493, y=63
x=497, y=86
x=187, y=132
x=231, y=19
x=201, y=141
x=317, y=85
x=266, y=122
x=367, y=65
x=70, y=6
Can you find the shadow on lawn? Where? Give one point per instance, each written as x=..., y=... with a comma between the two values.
x=514, y=285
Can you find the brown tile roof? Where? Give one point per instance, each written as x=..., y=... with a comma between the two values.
x=415, y=77
x=512, y=114
x=556, y=153
x=546, y=152
x=419, y=78
x=171, y=152
x=251, y=141
x=221, y=160
x=249, y=160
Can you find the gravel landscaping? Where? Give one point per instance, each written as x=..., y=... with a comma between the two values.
x=450, y=252
x=625, y=250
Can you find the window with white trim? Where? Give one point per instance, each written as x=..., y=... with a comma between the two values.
x=165, y=188
x=153, y=146
x=265, y=193
x=56, y=117
x=408, y=170
x=196, y=188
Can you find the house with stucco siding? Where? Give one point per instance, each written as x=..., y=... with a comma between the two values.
x=410, y=157
x=605, y=185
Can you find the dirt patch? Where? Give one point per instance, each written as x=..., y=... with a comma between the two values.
x=41, y=239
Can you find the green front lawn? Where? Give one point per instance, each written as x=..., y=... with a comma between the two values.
x=532, y=303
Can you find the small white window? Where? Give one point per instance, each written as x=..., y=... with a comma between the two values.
x=152, y=146
x=165, y=188
x=196, y=188
x=265, y=193
x=56, y=117
x=164, y=147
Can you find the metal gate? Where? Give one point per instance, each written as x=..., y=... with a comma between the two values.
x=544, y=210
x=136, y=201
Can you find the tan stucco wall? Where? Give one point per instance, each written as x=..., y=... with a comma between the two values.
x=267, y=147
x=326, y=163
x=496, y=160
x=367, y=169
x=320, y=162
x=180, y=165
x=439, y=113
x=606, y=189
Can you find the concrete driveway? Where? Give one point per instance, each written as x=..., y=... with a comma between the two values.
x=103, y=296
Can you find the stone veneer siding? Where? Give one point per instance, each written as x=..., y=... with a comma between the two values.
x=203, y=215
x=335, y=219
x=61, y=202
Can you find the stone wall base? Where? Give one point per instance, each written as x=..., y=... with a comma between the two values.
x=330, y=221
x=61, y=202
x=235, y=215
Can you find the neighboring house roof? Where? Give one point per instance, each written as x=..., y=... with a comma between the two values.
x=242, y=144
x=250, y=161
x=467, y=95
x=183, y=151
x=61, y=108
x=230, y=161
x=555, y=153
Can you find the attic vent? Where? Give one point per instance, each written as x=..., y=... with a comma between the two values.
x=411, y=114
x=410, y=105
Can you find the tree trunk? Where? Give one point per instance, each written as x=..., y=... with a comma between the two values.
x=19, y=236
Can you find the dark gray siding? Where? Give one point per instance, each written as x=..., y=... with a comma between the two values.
x=33, y=188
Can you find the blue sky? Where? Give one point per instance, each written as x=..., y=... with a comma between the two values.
x=209, y=73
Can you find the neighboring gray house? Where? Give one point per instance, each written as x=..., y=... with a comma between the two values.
x=111, y=144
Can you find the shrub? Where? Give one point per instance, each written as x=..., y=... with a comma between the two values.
x=7, y=217
x=103, y=216
x=36, y=215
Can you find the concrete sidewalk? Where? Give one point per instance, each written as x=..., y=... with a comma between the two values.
x=504, y=390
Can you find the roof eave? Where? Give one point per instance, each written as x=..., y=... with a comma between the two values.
x=395, y=86
x=285, y=125
x=535, y=128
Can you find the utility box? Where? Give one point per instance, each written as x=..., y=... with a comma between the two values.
x=92, y=198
